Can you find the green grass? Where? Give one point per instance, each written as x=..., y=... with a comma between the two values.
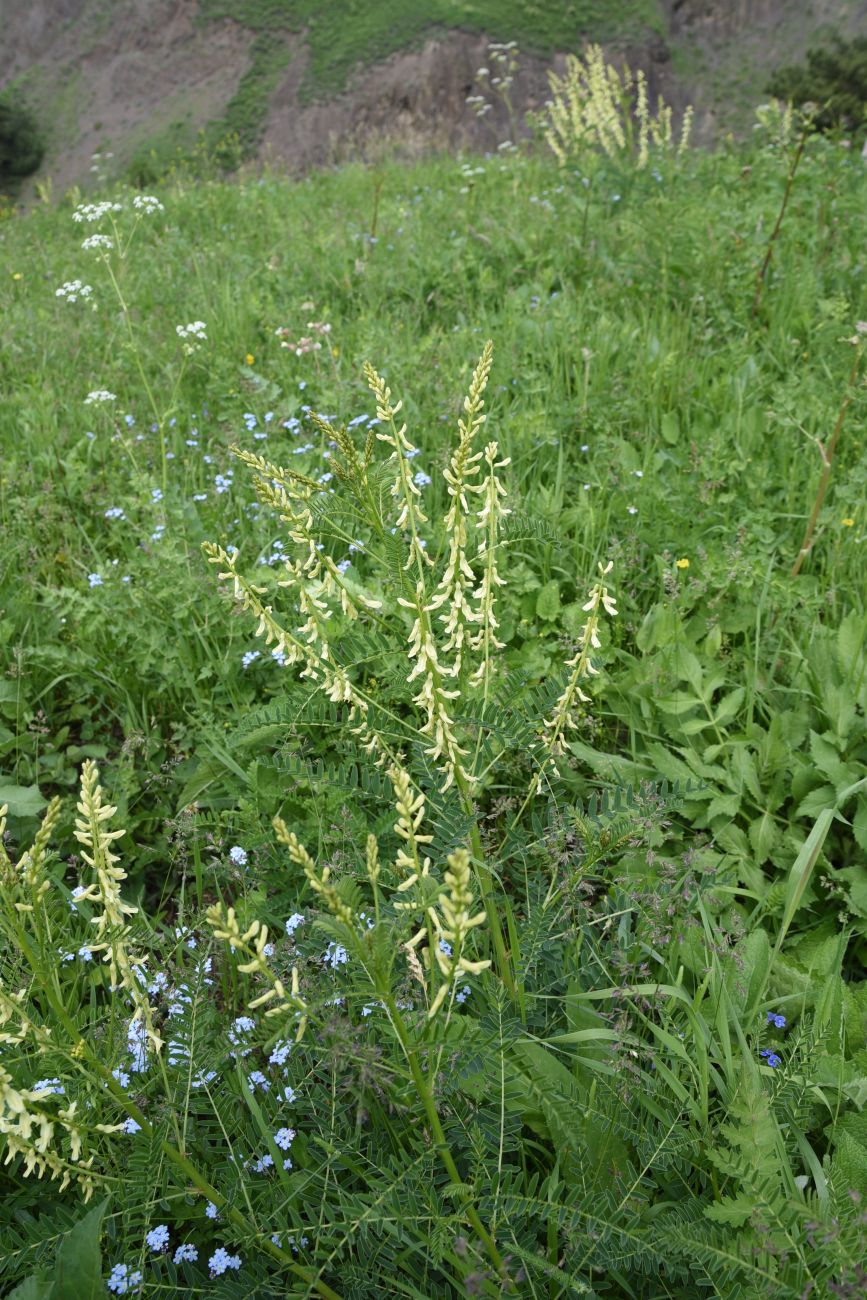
x=342, y=37
x=649, y=419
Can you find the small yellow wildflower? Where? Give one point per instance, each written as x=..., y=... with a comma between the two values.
x=16, y=275
x=683, y=564
x=249, y=358
x=335, y=352
x=848, y=523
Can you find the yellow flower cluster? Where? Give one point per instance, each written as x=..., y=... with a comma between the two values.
x=563, y=717
x=104, y=891
x=252, y=944
x=452, y=928
x=592, y=107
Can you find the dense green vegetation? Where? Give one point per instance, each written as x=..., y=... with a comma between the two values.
x=657, y=1088
x=21, y=144
x=834, y=78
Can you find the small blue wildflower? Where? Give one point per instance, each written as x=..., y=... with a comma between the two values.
x=779, y=1022
x=211, y=1211
x=114, y=512
x=421, y=479
x=122, y=1279
x=256, y=1079
x=200, y=496
x=131, y=1126
x=250, y=657
x=158, y=1239
x=129, y=420
x=50, y=1086
x=280, y=1053
x=771, y=1057
x=463, y=994
x=95, y=580
x=296, y=919
x=335, y=955
x=238, y=856
x=156, y=494
x=284, y=1138
x=221, y=1260
x=186, y=1253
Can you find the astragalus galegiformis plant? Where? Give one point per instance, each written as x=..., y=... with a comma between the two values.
x=430, y=619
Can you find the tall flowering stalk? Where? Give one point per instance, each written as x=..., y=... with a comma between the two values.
x=592, y=104
x=458, y=580
x=405, y=492
x=452, y=925
x=488, y=519
x=563, y=717
x=104, y=891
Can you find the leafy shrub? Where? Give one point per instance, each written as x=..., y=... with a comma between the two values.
x=834, y=78
x=21, y=145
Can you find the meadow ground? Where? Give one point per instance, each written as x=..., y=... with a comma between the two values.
x=656, y=1087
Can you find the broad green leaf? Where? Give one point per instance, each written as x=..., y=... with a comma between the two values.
x=859, y=823
x=802, y=869
x=816, y=801
x=756, y=953
x=548, y=600
x=850, y=641
x=829, y=762
x=763, y=833
x=78, y=1265
x=728, y=706
x=669, y=427
x=23, y=800
x=688, y=667
x=37, y=1287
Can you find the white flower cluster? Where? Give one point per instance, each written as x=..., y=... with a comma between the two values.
x=91, y=212
x=99, y=395
x=148, y=204
x=195, y=330
x=72, y=290
x=97, y=242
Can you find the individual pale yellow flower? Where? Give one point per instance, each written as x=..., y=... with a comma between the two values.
x=249, y=358
x=848, y=523
x=16, y=275
x=683, y=564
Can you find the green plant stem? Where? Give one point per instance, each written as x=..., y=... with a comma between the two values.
x=483, y=876
x=443, y=1149
x=763, y=269
x=827, y=454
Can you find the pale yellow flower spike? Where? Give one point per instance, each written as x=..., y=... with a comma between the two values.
x=318, y=879
x=563, y=717
x=410, y=815
x=454, y=928
x=487, y=521
x=592, y=104
x=403, y=489
x=458, y=579
x=104, y=892
x=252, y=944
